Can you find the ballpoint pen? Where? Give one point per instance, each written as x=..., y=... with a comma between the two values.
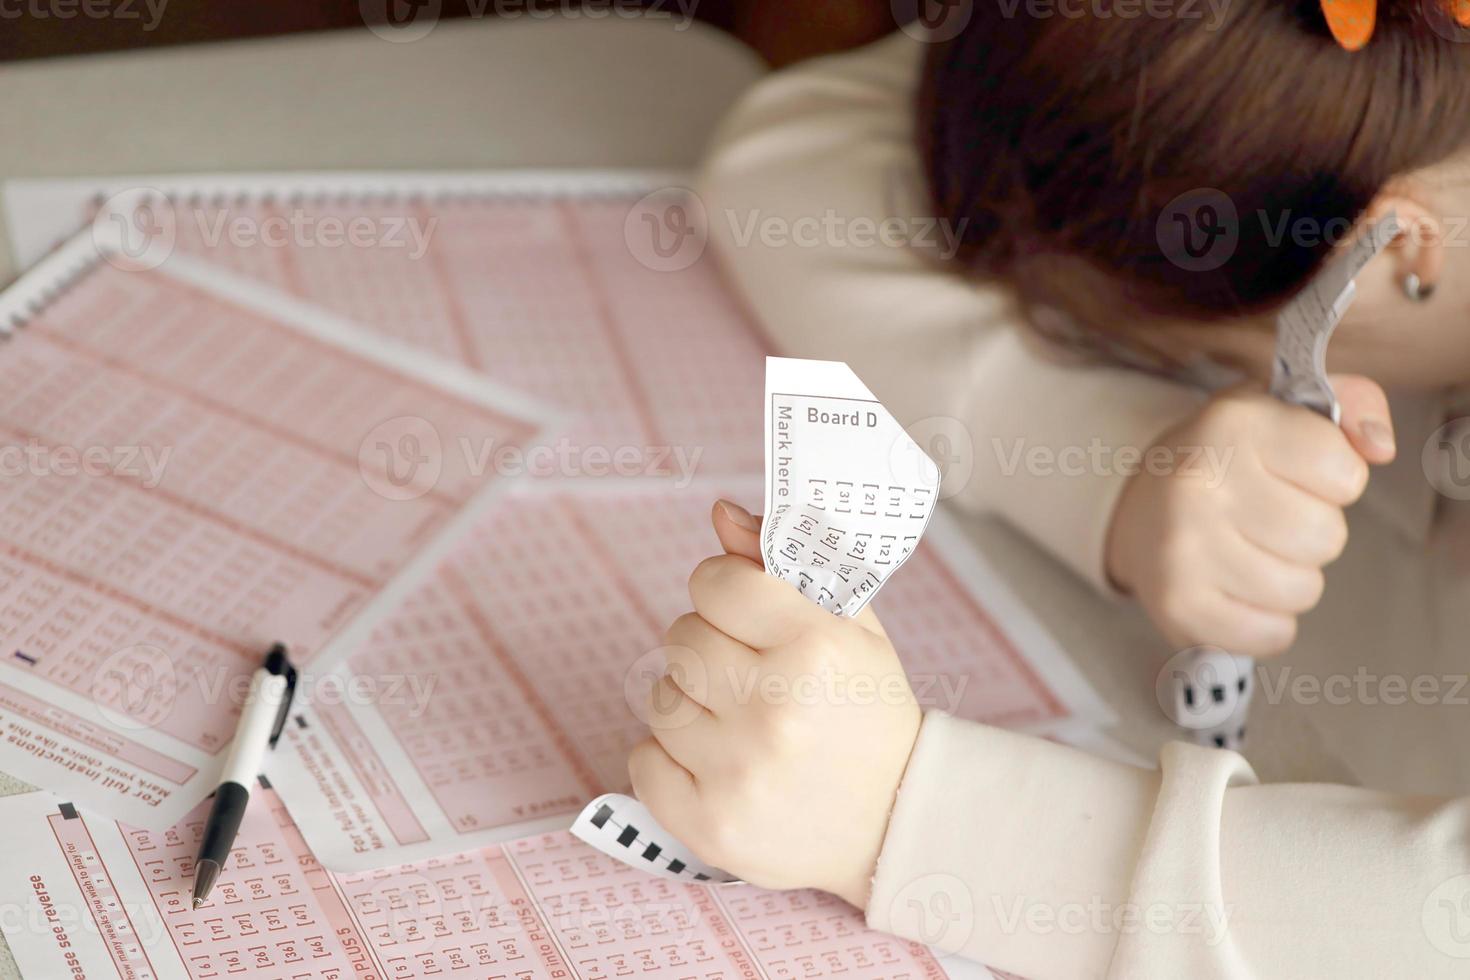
x=261, y=722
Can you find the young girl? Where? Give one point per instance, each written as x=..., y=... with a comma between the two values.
x=1132, y=181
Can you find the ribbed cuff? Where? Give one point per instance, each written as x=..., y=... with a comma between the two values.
x=1007, y=849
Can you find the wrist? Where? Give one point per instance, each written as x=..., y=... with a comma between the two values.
x=856, y=885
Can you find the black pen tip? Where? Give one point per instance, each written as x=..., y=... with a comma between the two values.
x=205, y=873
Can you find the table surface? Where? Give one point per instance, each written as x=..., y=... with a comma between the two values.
x=469, y=95
x=472, y=95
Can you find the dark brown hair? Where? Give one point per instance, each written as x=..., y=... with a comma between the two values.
x=1058, y=143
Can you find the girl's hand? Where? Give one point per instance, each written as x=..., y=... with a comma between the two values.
x=1234, y=563
x=780, y=732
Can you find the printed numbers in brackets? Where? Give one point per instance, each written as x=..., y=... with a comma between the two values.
x=868, y=584
x=844, y=498
x=920, y=501
x=859, y=550
x=275, y=919
x=870, y=499
x=817, y=494
x=895, y=502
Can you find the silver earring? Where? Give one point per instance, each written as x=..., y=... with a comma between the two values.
x=1417, y=289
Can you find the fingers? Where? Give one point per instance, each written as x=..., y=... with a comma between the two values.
x=665, y=787
x=705, y=664
x=694, y=738
x=738, y=531
x=1307, y=450
x=739, y=534
x=1262, y=579
x=1289, y=522
x=1366, y=419
x=1218, y=619
x=670, y=707
x=739, y=599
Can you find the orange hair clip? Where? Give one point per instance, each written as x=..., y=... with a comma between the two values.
x=1352, y=21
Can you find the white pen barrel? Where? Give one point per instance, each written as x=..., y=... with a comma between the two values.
x=252, y=738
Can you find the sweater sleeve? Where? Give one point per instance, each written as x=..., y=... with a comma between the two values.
x=807, y=192
x=1041, y=860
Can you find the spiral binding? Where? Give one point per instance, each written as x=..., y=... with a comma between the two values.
x=23, y=302
x=531, y=187
x=19, y=308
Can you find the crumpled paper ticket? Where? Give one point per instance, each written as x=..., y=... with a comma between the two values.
x=848, y=496
x=848, y=493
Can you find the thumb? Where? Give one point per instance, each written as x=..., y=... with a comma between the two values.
x=1366, y=420
x=738, y=531
x=740, y=534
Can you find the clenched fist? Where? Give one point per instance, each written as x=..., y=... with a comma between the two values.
x=1233, y=562
x=780, y=732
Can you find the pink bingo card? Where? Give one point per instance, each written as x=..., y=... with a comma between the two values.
x=508, y=685
x=105, y=899
x=546, y=288
x=195, y=468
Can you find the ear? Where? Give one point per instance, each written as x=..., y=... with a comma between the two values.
x=1419, y=249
